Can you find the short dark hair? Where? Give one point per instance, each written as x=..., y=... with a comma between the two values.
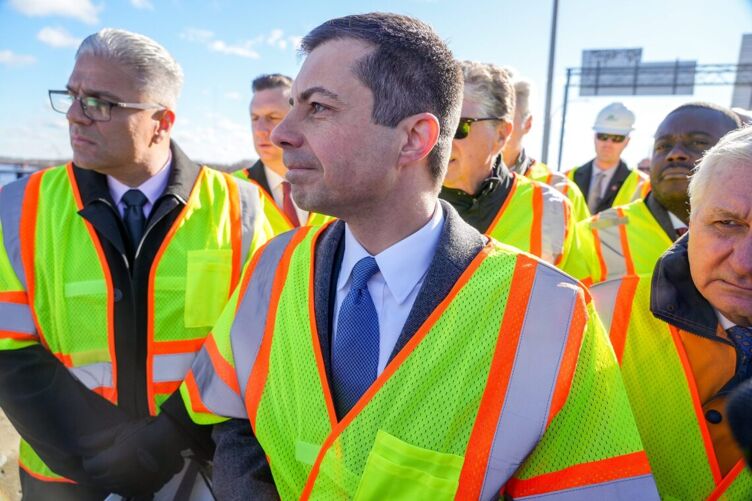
x=410, y=71
x=733, y=117
x=271, y=81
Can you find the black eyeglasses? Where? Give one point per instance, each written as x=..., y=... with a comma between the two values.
x=94, y=108
x=463, y=128
x=616, y=138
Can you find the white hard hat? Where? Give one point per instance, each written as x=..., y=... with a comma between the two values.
x=614, y=119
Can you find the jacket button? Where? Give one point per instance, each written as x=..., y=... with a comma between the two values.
x=713, y=416
x=117, y=294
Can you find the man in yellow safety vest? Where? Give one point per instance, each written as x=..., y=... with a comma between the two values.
x=629, y=239
x=683, y=336
x=398, y=353
x=606, y=181
x=518, y=160
x=113, y=268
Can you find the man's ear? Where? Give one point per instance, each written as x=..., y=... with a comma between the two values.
x=421, y=133
x=527, y=124
x=165, y=122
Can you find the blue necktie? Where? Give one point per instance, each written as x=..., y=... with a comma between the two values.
x=133, y=217
x=355, y=353
x=742, y=338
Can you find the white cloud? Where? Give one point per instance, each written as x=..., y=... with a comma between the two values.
x=233, y=96
x=10, y=58
x=243, y=50
x=142, y=4
x=83, y=10
x=57, y=37
x=196, y=35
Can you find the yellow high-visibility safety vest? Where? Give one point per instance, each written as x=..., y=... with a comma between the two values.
x=635, y=187
x=538, y=219
x=627, y=240
x=55, y=282
x=530, y=402
x=538, y=171
x=664, y=398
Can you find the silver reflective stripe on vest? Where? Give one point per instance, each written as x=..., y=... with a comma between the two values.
x=215, y=394
x=250, y=320
x=94, y=375
x=171, y=367
x=11, y=203
x=250, y=208
x=553, y=225
x=604, y=299
x=608, y=224
x=522, y=421
x=642, y=488
x=17, y=318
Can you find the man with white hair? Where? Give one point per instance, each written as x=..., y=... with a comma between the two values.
x=113, y=268
x=517, y=159
x=606, y=180
x=684, y=336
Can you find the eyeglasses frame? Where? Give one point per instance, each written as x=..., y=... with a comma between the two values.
x=137, y=106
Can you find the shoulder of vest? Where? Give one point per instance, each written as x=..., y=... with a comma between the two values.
x=608, y=218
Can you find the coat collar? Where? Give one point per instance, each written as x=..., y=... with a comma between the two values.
x=674, y=297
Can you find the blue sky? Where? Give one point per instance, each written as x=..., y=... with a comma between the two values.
x=222, y=45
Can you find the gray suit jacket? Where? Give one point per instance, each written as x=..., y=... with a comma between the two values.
x=240, y=468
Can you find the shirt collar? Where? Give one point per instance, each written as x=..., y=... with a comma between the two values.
x=272, y=178
x=676, y=222
x=725, y=322
x=152, y=187
x=403, y=264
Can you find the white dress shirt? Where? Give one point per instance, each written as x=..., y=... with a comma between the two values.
x=152, y=188
x=402, y=269
x=275, y=184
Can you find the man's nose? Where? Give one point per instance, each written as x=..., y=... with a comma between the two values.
x=287, y=134
x=677, y=153
x=76, y=113
x=741, y=259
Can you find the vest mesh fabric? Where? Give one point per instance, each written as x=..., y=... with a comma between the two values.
x=418, y=404
x=663, y=407
x=518, y=222
x=566, y=441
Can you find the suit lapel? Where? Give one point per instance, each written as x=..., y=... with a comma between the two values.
x=329, y=251
x=257, y=173
x=582, y=177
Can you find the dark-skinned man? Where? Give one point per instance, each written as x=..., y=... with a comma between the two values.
x=630, y=239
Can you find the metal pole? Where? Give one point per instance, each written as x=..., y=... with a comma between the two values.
x=563, y=119
x=549, y=84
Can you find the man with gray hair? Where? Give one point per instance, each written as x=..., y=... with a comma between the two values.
x=114, y=268
x=518, y=160
x=684, y=335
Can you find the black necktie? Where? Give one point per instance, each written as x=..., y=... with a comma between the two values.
x=133, y=217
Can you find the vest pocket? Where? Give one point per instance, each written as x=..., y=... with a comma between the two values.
x=207, y=286
x=398, y=470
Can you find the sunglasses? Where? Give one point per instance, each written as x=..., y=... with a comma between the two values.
x=616, y=138
x=463, y=129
